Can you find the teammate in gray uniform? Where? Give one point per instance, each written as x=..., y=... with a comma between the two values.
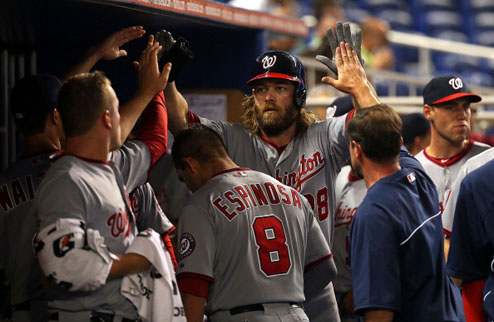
x=247, y=242
x=33, y=101
x=447, y=106
x=350, y=191
x=82, y=203
x=280, y=138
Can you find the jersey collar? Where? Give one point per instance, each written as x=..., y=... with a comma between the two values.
x=450, y=161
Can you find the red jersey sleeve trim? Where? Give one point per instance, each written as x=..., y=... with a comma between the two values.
x=472, y=300
x=349, y=116
x=195, y=284
x=310, y=266
x=154, y=127
x=192, y=118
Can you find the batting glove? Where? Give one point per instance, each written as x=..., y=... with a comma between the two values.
x=343, y=33
x=175, y=51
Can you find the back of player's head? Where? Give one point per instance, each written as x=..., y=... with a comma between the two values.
x=281, y=65
x=378, y=131
x=414, y=124
x=81, y=101
x=31, y=99
x=198, y=142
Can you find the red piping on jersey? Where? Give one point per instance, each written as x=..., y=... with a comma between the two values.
x=450, y=161
x=192, y=118
x=154, y=127
x=446, y=232
x=85, y=159
x=310, y=266
x=232, y=170
x=278, y=149
x=349, y=116
x=352, y=177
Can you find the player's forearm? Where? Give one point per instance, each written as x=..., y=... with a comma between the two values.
x=129, y=264
x=177, y=108
x=365, y=96
x=83, y=65
x=194, y=307
x=378, y=316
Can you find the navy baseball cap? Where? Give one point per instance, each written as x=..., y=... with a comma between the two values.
x=343, y=105
x=414, y=124
x=447, y=88
x=33, y=96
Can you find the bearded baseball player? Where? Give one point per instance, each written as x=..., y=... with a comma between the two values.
x=248, y=243
x=447, y=106
x=85, y=219
x=280, y=138
x=396, y=238
x=32, y=104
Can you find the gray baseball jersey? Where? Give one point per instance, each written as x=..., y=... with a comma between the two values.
x=92, y=191
x=18, y=186
x=309, y=163
x=170, y=192
x=148, y=211
x=251, y=238
x=443, y=172
x=350, y=191
x=472, y=164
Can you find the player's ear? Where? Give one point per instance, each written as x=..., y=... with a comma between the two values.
x=106, y=118
x=192, y=164
x=428, y=111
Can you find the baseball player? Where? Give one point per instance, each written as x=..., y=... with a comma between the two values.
x=170, y=192
x=280, y=138
x=85, y=220
x=32, y=104
x=350, y=190
x=471, y=252
x=416, y=132
x=447, y=107
x=396, y=238
x=248, y=243
x=471, y=290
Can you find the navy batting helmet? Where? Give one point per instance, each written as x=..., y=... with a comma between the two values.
x=280, y=64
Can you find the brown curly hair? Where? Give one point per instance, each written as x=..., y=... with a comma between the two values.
x=304, y=120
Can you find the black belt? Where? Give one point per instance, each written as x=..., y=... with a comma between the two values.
x=253, y=307
x=95, y=317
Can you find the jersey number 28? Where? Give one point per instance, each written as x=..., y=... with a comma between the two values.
x=274, y=257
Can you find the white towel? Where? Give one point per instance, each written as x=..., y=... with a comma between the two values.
x=155, y=292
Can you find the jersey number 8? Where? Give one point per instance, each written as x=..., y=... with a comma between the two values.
x=274, y=258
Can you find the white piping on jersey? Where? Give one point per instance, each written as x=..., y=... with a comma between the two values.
x=413, y=232
x=486, y=295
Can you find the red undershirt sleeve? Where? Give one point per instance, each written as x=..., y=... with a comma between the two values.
x=154, y=127
x=192, y=284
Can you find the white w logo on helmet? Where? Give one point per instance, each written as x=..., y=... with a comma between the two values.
x=268, y=61
x=456, y=83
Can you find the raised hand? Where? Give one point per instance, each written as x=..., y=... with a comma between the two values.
x=351, y=78
x=109, y=48
x=343, y=34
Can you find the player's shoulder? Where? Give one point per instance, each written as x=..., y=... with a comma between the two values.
x=479, y=159
x=484, y=175
x=478, y=147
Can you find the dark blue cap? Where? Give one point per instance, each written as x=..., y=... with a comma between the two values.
x=447, y=88
x=414, y=124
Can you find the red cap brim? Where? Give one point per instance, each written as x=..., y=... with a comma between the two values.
x=274, y=75
x=473, y=98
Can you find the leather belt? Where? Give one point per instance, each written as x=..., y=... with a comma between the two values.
x=253, y=307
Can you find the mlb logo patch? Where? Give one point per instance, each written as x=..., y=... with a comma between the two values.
x=411, y=177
